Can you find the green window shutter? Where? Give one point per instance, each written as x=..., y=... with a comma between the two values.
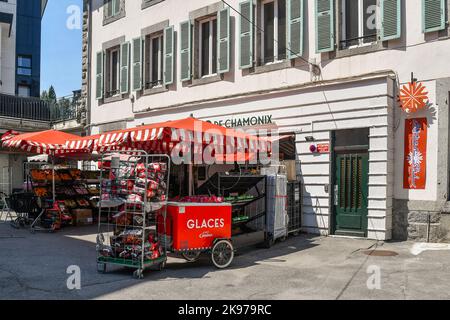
x=99, y=79
x=223, y=40
x=169, y=46
x=185, y=50
x=137, y=64
x=324, y=25
x=295, y=28
x=433, y=12
x=108, y=7
x=391, y=19
x=246, y=34
x=124, y=67
x=116, y=4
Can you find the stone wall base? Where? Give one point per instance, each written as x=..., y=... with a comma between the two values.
x=419, y=225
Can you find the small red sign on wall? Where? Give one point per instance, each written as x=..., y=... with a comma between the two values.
x=323, y=148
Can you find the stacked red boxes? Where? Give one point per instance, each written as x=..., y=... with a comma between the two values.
x=195, y=226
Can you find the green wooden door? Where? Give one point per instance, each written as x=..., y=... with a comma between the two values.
x=350, y=194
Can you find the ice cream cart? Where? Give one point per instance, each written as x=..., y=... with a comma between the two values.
x=195, y=228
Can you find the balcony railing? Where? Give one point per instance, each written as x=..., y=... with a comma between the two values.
x=67, y=108
x=24, y=108
x=34, y=109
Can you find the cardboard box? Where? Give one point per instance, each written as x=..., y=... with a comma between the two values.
x=82, y=217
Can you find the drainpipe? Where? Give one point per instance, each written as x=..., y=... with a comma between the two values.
x=89, y=64
x=428, y=227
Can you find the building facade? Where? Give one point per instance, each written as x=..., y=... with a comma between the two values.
x=328, y=72
x=20, y=60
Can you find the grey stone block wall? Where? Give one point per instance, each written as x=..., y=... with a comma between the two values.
x=419, y=225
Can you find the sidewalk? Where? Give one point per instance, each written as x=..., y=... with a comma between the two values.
x=304, y=267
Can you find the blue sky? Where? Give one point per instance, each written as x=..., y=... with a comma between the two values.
x=61, y=49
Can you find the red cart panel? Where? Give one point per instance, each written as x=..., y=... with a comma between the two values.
x=195, y=226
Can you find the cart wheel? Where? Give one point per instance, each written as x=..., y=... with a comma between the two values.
x=222, y=254
x=33, y=231
x=15, y=224
x=101, y=267
x=162, y=266
x=269, y=242
x=191, y=256
x=283, y=239
x=139, y=274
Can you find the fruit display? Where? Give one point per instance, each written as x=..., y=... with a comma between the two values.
x=76, y=174
x=81, y=190
x=38, y=175
x=71, y=191
x=42, y=192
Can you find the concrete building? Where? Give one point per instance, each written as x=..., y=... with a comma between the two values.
x=328, y=72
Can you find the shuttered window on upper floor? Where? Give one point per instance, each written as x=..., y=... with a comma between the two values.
x=280, y=30
x=434, y=15
x=212, y=54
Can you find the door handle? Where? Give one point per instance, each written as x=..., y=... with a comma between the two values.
x=336, y=195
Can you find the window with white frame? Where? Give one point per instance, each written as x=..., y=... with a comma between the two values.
x=112, y=72
x=273, y=40
x=359, y=23
x=208, y=47
x=154, y=60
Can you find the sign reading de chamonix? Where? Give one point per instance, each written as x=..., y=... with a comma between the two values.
x=244, y=122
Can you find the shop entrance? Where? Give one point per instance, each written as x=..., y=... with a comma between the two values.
x=351, y=173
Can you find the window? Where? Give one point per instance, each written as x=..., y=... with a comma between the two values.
x=149, y=3
x=154, y=57
x=112, y=72
x=24, y=66
x=208, y=47
x=273, y=17
x=112, y=8
x=359, y=22
x=23, y=90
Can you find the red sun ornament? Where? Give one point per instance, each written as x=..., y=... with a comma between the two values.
x=413, y=97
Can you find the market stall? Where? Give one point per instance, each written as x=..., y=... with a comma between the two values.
x=56, y=193
x=151, y=203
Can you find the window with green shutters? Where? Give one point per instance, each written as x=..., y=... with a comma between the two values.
x=112, y=8
x=186, y=50
x=169, y=47
x=391, y=19
x=137, y=64
x=433, y=12
x=325, y=35
x=295, y=12
x=99, y=79
x=224, y=49
x=246, y=34
x=124, y=67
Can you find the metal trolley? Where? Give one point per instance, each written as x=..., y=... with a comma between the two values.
x=134, y=191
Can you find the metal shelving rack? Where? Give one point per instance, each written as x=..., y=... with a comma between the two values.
x=116, y=201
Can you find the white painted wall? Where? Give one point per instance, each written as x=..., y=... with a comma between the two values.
x=359, y=104
x=295, y=110
x=414, y=52
x=8, y=50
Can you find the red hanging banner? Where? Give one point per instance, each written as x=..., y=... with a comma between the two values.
x=414, y=176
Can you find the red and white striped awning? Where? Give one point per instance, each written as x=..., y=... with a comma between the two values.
x=163, y=137
x=49, y=142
